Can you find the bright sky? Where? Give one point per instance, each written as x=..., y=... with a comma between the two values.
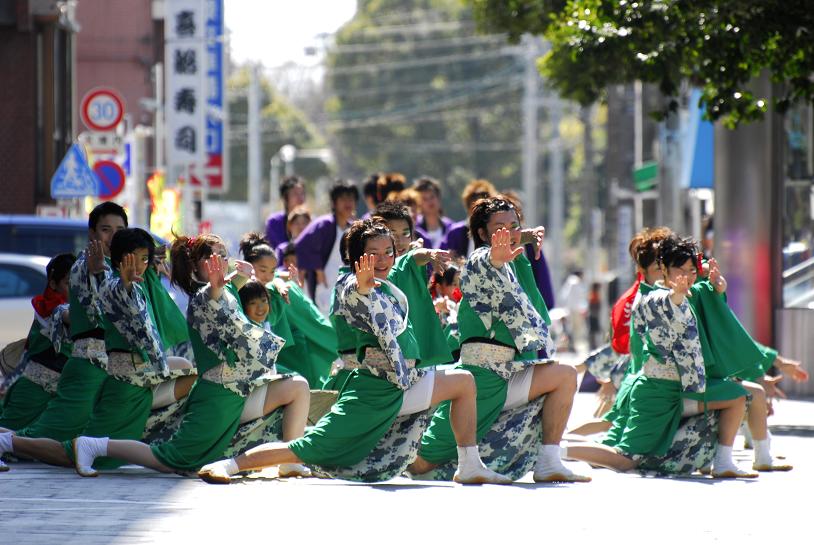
x=277, y=31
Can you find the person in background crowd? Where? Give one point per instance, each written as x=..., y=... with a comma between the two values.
x=594, y=311
x=457, y=240
x=431, y=219
x=574, y=298
x=317, y=246
x=292, y=193
x=298, y=220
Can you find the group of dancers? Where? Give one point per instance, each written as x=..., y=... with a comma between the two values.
x=436, y=369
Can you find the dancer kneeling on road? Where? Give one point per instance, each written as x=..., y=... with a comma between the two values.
x=233, y=404
x=387, y=385
x=506, y=345
x=666, y=421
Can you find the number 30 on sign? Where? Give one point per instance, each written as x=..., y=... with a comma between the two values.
x=102, y=109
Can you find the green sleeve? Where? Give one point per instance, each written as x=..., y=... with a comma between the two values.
x=411, y=278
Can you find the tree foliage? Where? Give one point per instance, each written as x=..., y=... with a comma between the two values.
x=716, y=45
x=413, y=88
x=280, y=124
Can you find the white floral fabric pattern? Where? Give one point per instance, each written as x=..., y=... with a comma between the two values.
x=674, y=341
x=384, y=317
x=224, y=328
x=495, y=294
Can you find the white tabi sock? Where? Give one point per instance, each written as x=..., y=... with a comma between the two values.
x=5, y=442
x=763, y=454
x=548, y=459
x=469, y=457
x=231, y=466
x=723, y=459
x=97, y=446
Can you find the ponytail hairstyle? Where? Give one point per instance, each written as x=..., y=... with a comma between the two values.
x=674, y=251
x=126, y=241
x=360, y=232
x=185, y=253
x=446, y=278
x=59, y=267
x=484, y=209
x=254, y=246
x=343, y=248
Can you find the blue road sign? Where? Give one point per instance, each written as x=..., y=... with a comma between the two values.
x=111, y=179
x=74, y=177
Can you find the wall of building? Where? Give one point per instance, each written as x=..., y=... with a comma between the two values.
x=18, y=103
x=116, y=48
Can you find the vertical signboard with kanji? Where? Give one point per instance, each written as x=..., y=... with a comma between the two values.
x=186, y=97
x=214, y=174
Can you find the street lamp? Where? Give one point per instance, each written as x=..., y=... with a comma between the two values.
x=286, y=154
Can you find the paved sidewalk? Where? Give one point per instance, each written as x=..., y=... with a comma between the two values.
x=45, y=505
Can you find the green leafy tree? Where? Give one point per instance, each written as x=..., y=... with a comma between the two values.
x=716, y=45
x=280, y=124
x=414, y=89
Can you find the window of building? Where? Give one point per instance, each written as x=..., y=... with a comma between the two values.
x=798, y=209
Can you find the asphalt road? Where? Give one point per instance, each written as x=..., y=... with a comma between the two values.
x=45, y=505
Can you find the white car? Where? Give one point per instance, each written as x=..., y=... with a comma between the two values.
x=21, y=278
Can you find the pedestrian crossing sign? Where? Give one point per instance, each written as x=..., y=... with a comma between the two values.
x=74, y=178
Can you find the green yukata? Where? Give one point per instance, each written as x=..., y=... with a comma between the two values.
x=438, y=443
x=313, y=346
x=345, y=337
x=30, y=394
x=362, y=437
x=221, y=335
x=125, y=401
x=68, y=411
x=648, y=423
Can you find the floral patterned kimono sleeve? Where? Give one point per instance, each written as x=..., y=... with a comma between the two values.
x=54, y=329
x=85, y=287
x=496, y=294
x=375, y=313
x=223, y=328
x=672, y=328
x=127, y=311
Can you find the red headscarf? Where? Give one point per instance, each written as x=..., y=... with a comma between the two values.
x=45, y=304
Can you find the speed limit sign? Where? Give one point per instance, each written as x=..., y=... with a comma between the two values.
x=102, y=109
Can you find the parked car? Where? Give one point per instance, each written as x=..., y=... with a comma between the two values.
x=36, y=235
x=21, y=278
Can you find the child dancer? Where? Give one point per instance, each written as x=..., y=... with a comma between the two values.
x=312, y=346
x=389, y=383
x=139, y=373
x=47, y=349
x=237, y=384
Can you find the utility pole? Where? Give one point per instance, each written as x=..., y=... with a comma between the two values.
x=254, y=197
x=589, y=221
x=555, y=234
x=531, y=81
